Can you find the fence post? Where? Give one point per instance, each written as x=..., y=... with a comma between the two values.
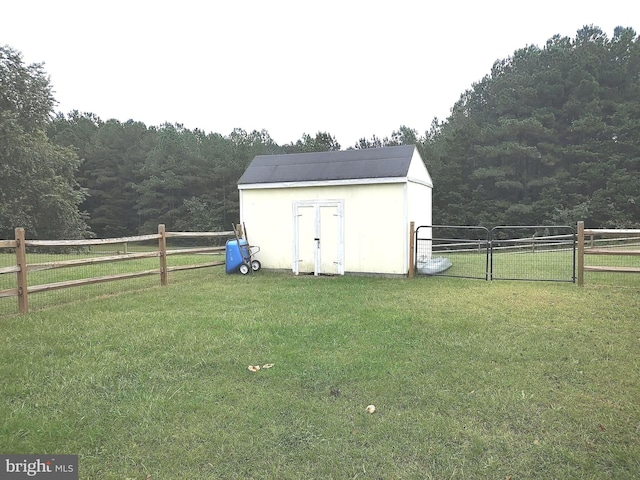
x=162, y=245
x=580, y=253
x=412, y=247
x=21, y=262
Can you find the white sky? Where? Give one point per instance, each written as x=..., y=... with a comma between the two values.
x=347, y=67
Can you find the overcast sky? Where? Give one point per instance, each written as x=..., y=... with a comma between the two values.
x=351, y=68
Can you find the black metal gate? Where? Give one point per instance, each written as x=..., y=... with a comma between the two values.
x=532, y=252
x=466, y=248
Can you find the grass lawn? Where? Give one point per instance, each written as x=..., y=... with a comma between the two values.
x=471, y=379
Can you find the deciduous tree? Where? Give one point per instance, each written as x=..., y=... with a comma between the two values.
x=38, y=190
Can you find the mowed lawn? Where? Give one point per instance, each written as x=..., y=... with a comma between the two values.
x=470, y=379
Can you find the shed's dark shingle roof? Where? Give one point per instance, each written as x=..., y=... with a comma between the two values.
x=322, y=166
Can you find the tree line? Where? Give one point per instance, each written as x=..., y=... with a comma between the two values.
x=550, y=135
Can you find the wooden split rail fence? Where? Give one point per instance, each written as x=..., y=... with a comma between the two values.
x=22, y=268
x=585, y=250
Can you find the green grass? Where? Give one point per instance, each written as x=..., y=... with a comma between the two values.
x=471, y=379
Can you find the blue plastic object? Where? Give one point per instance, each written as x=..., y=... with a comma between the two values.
x=236, y=255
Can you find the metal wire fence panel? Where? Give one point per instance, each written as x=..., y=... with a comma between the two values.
x=8, y=303
x=40, y=259
x=453, y=251
x=534, y=253
x=65, y=271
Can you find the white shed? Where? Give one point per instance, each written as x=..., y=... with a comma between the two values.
x=336, y=212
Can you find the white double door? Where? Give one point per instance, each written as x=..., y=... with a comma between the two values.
x=318, y=237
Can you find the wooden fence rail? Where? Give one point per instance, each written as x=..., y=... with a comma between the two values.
x=584, y=250
x=22, y=268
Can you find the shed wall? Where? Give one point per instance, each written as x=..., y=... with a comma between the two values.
x=375, y=224
x=420, y=213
